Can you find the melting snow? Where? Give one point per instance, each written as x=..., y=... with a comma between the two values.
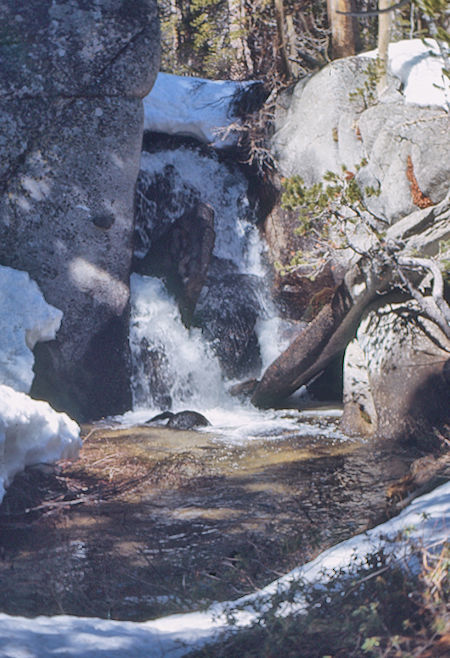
x=31, y=432
x=195, y=107
x=25, y=319
x=419, y=65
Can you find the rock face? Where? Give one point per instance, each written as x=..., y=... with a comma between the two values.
x=405, y=146
x=71, y=82
x=316, y=130
x=407, y=150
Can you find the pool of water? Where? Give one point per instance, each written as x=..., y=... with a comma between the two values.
x=152, y=521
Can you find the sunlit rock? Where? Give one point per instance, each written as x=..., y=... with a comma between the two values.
x=72, y=80
x=394, y=375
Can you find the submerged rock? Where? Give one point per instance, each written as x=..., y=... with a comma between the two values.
x=182, y=420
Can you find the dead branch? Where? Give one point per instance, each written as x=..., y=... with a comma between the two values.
x=435, y=306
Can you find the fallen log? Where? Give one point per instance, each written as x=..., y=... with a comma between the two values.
x=325, y=337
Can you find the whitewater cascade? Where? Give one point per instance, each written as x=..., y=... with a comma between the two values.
x=175, y=367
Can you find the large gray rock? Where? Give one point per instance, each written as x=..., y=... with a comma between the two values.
x=325, y=126
x=71, y=82
x=78, y=48
x=423, y=231
x=407, y=148
x=395, y=381
x=318, y=130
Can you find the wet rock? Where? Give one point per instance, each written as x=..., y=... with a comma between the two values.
x=72, y=78
x=182, y=420
x=104, y=221
x=153, y=369
x=227, y=311
x=182, y=256
x=243, y=390
x=162, y=198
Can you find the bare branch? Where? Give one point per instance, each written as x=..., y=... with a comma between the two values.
x=436, y=306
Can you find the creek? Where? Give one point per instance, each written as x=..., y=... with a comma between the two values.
x=152, y=521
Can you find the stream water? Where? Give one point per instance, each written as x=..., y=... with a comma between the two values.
x=152, y=521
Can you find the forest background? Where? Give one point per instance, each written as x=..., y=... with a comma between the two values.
x=279, y=40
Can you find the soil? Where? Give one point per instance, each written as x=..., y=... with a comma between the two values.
x=152, y=521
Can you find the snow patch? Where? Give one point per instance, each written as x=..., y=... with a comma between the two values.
x=419, y=66
x=31, y=432
x=25, y=319
x=194, y=107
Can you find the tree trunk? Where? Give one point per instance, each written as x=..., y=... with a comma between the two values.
x=282, y=39
x=242, y=60
x=292, y=46
x=323, y=339
x=384, y=34
x=343, y=28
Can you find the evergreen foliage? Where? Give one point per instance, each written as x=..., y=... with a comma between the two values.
x=327, y=211
x=240, y=39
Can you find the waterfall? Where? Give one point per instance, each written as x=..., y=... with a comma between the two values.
x=171, y=365
x=175, y=367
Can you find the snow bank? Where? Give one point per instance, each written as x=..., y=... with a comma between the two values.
x=418, y=66
x=31, y=432
x=193, y=107
x=428, y=519
x=25, y=319
x=181, y=105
